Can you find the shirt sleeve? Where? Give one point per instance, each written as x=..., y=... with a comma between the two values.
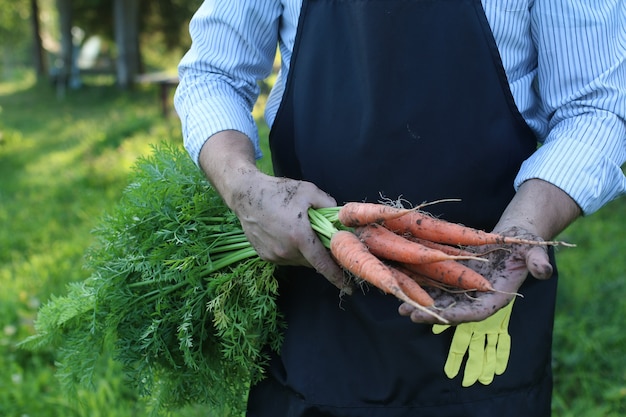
x=581, y=80
x=233, y=47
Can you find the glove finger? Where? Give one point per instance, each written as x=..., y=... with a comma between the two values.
x=475, y=360
x=462, y=338
x=490, y=360
x=503, y=353
x=440, y=328
x=453, y=365
x=458, y=347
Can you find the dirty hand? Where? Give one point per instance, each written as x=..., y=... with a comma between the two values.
x=273, y=211
x=274, y=216
x=507, y=270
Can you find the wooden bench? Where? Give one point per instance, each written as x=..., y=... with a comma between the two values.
x=165, y=81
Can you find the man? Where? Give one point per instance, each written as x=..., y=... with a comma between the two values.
x=423, y=99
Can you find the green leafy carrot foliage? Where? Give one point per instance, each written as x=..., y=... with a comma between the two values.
x=175, y=289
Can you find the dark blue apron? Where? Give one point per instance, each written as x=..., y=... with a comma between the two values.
x=400, y=98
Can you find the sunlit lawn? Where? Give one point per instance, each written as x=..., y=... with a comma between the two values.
x=63, y=162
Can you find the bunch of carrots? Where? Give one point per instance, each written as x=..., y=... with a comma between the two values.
x=401, y=251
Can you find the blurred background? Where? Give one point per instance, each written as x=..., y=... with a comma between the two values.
x=86, y=88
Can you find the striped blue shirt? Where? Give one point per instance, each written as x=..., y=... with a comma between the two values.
x=565, y=61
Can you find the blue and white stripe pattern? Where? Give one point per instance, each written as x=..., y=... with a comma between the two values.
x=565, y=61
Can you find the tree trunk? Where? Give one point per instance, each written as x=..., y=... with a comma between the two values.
x=64, y=67
x=126, y=17
x=38, y=55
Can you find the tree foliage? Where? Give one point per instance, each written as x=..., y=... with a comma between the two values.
x=14, y=20
x=166, y=17
x=164, y=21
x=15, y=35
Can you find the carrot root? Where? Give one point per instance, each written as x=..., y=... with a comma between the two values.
x=412, y=288
x=450, y=250
x=386, y=244
x=425, y=226
x=354, y=214
x=354, y=256
x=454, y=274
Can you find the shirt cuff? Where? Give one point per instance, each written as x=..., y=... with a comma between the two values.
x=587, y=175
x=206, y=118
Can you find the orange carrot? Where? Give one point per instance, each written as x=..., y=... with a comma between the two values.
x=385, y=244
x=355, y=214
x=450, y=250
x=412, y=288
x=423, y=225
x=421, y=279
x=353, y=255
x=426, y=282
x=454, y=274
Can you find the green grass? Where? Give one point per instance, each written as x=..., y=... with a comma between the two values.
x=590, y=332
x=64, y=162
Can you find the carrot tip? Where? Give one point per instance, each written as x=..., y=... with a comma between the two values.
x=561, y=243
x=468, y=258
x=515, y=240
x=515, y=294
x=430, y=203
x=403, y=297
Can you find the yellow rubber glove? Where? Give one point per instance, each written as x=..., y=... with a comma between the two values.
x=487, y=343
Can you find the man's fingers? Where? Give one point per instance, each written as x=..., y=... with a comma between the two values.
x=335, y=276
x=455, y=315
x=538, y=263
x=320, y=259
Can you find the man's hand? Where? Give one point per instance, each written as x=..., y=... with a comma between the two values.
x=273, y=211
x=539, y=210
x=274, y=215
x=507, y=270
